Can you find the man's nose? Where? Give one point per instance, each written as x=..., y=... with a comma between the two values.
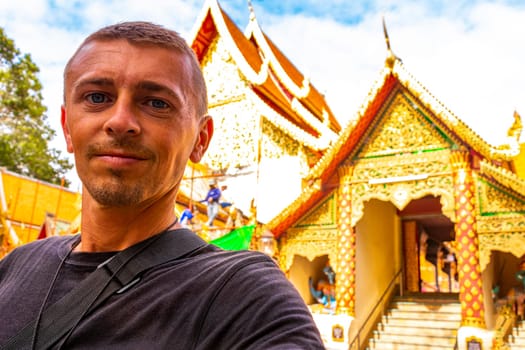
x=123, y=119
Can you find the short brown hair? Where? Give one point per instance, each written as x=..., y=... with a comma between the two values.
x=140, y=32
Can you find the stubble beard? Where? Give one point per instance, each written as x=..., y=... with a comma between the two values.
x=115, y=192
x=113, y=189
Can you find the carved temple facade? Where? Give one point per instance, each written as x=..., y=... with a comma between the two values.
x=360, y=198
x=405, y=149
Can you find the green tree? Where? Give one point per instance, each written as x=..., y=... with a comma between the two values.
x=24, y=130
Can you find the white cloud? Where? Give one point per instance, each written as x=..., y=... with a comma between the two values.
x=176, y=14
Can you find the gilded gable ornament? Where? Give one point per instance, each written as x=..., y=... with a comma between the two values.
x=402, y=129
x=494, y=199
x=322, y=215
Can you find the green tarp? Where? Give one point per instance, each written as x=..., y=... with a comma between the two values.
x=238, y=239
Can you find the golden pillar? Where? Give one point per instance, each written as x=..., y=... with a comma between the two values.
x=469, y=272
x=346, y=247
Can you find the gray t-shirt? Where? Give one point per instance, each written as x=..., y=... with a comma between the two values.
x=212, y=299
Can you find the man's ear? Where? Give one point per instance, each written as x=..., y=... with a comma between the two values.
x=65, y=129
x=203, y=139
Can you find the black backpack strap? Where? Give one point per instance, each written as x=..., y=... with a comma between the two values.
x=116, y=275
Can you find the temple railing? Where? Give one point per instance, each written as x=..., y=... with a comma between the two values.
x=376, y=313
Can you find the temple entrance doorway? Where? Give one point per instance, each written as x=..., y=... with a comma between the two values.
x=428, y=247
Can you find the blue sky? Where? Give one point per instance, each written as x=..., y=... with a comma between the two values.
x=469, y=54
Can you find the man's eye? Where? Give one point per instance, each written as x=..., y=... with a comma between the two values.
x=158, y=104
x=96, y=98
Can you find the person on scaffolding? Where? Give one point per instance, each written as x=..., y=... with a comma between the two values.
x=187, y=216
x=212, y=201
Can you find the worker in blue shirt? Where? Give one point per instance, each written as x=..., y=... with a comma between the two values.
x=212, y=201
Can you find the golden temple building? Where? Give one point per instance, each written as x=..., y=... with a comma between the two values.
x=271, y=120
x=404, y=168
x=406, y=203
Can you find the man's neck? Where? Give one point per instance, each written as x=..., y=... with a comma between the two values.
x=115, y=229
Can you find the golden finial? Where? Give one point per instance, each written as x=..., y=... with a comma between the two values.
x=516, y=128
x=390, y=58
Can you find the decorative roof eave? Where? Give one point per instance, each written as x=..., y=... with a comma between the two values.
x=220, y=18
x=301, y=92
x=321, y=127
x=330, y=158
x=308, y=197
x=464, y=132
x=317, y=144
x=253, y=29
x=503, y=176
x=394, y=68
x=293, y=108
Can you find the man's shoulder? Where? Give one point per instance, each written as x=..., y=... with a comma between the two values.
x=34, y=257
x=213, y=252
x=49, y=242
x=41, y=246
x=236, y=262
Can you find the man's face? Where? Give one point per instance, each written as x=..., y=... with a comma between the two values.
x=130, y=122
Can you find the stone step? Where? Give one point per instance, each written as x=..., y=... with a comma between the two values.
x=428, y=315
x=516, y=340
x=419, y=323
x=426, y=306
x=518, y=337
x=428, y=297
x=416, y=338
x=426, y=331
x=406, y=345
x=412, y=321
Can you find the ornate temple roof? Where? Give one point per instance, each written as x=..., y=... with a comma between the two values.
x=275, y=80
x=492, y=161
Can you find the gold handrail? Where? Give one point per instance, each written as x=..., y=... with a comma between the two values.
x=505, y=320
x=387, y=291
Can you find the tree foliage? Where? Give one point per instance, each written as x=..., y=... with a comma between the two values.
x=25, y=134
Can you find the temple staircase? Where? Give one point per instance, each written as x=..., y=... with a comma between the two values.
x=419, y=322
x=516, y=340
